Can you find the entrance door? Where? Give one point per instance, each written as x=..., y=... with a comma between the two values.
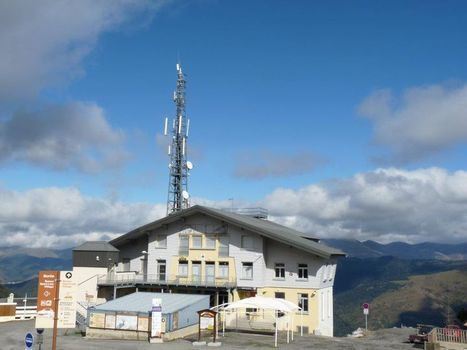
x=210, y=273
x=161, y=270
x=196, y=271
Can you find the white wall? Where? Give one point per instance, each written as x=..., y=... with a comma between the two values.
x=254, y=255
x=280, y=253
x=326, y=311
x=86, y=280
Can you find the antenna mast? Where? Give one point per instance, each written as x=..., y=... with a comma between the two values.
x=178, y=197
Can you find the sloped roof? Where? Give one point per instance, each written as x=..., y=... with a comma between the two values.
x=96, y=246
x=142, y=302
x=262, y=227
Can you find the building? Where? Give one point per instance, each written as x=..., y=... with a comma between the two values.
x=228, y=256
x=128, y=317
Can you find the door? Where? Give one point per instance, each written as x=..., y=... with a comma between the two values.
x=196, y=272
x=161, y=270
x=210, y=273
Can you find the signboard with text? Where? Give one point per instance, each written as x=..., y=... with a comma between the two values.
x=47, y=296
x=156, y=318
x=67, y=300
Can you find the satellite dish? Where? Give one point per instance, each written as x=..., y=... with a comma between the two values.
x=185, y=195
x=189, y=165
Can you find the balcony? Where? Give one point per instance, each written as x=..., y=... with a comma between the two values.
x=132, y=279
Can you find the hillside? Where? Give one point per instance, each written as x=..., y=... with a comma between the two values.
x=401, y=250
x=21, y=265
x=399, y=291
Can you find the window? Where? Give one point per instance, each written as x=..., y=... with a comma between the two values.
x=125, y=264
x=279, y=295
x=280, y=270
x=183, y=248
x=303, y=301
x=303, y=271
x=210, y=242
x=183, y=268
x=161, y=270
x=247, y=242
x=223, y=269
x=196, y=271
x=161, y=241
x=247, y=270
x=196, y=242
x=224, y=246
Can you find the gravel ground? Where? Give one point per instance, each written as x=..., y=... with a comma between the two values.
x=12, y=337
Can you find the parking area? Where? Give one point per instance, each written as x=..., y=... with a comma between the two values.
x=12, y=337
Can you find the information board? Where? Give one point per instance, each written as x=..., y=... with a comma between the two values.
x=156, y=318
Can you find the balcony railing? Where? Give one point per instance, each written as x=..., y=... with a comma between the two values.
x=121, y=279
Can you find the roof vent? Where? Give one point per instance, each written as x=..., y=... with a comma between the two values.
x=258, y=213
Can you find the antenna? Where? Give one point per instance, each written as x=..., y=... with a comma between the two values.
x=178, y=196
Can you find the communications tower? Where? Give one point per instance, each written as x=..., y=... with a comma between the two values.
x=179, y=166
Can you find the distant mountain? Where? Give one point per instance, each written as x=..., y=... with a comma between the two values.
x=21, y=265
x=371, y=249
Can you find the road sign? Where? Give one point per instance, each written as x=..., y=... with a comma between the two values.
x=40, y=330
x=366, y=306
x=29, y=340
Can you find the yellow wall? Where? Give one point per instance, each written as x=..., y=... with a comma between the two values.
x=310, y=319
x=204, y=255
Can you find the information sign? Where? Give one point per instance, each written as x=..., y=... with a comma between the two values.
x=46, y=298
x=156, y=318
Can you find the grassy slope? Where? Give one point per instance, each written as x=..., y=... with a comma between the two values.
x=418, y=299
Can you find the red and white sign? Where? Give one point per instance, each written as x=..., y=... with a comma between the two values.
x=366, y=308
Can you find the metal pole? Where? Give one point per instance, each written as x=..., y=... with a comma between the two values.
x=366, y=322
x=57, y=298
x=275, y=334
x=24, y=307
x=301, y=321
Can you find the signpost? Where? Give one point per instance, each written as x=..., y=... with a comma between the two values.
x=56, y=304
x=156, y=320
x=207, y=319
x=29, y=341
x=40, y=337
x=366, y=311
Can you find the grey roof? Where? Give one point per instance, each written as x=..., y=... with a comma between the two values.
x=96, y=246
x=142, y=302
x=262, y=227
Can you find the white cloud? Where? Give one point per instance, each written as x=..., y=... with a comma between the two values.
x=75, y=135
x=424, y=121
x=45, y=41
x=383, y=205
x=258, y=165
x=63, y=217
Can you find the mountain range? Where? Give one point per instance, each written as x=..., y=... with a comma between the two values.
x=401, y=250
x=404, y=284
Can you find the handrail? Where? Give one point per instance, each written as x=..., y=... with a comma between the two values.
x=165, y=280
x=449, y=335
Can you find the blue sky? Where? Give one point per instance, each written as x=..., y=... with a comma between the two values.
x=282, y=96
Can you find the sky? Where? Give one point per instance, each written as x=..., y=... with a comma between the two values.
x=345, y=119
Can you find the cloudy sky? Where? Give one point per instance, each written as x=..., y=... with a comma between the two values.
x=344, y=119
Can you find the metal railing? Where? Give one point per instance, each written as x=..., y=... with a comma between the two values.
x=155, y=279
x=448, y=335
